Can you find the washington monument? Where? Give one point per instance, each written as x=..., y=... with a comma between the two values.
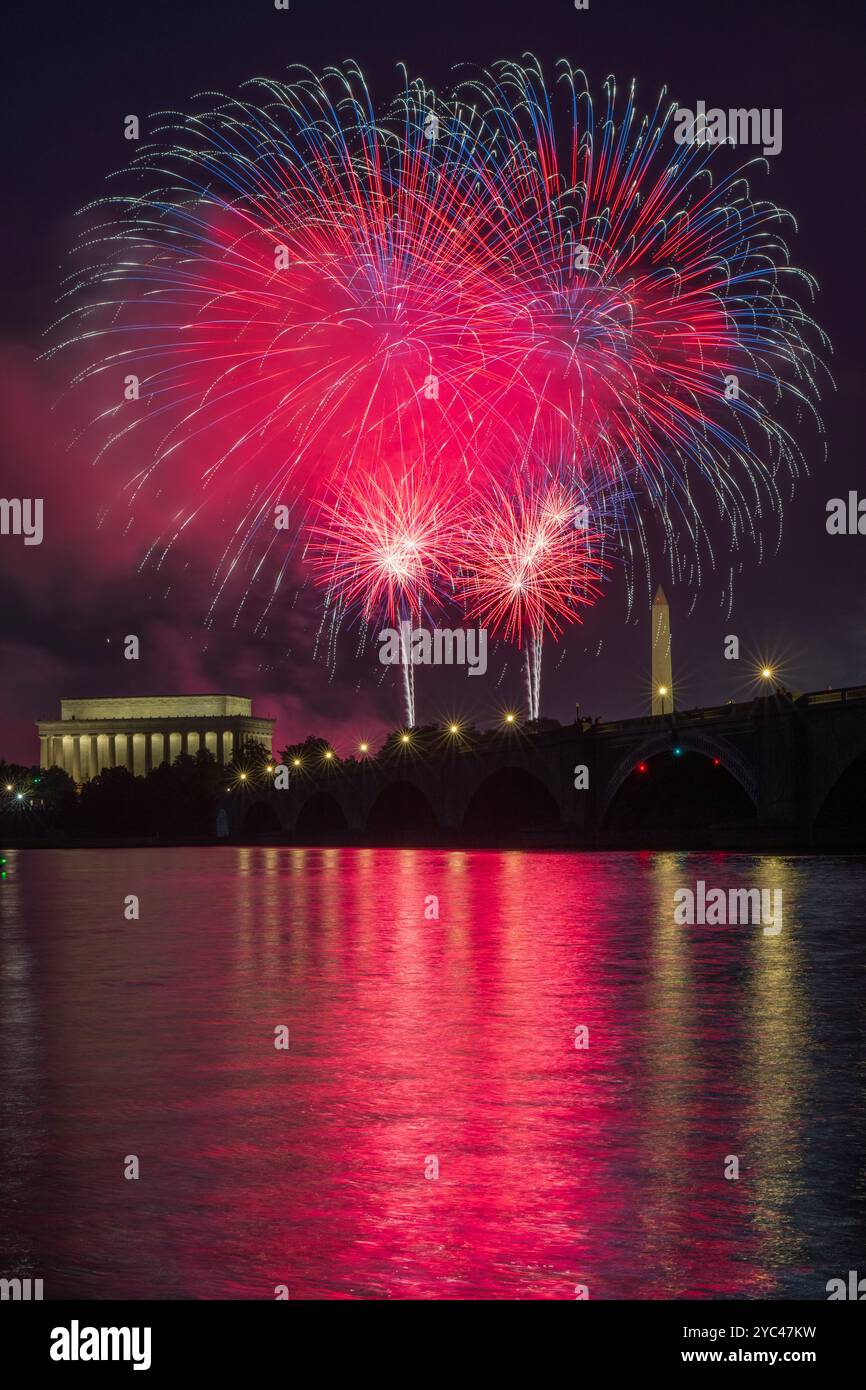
x=663, y=686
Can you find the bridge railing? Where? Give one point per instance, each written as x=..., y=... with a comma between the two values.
x=715, y=712
x=848, y=695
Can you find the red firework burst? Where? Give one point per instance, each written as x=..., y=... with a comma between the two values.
x=385, y=545
x=529, y=561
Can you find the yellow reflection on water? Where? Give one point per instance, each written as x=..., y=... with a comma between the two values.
x=780, y=1077
x=671, y=1064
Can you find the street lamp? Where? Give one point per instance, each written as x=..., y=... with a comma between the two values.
x=663, y=690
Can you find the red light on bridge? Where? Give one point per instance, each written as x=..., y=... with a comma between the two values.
x=641, y=767
x=717, y=762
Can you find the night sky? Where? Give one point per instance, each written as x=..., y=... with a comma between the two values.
x=73, y=73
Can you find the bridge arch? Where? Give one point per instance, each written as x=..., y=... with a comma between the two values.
x=841, y=810
x=401, y=805
x=837, y=750
x=690, y=742
x=511, y=797
x=320, y=814
x=259, y=817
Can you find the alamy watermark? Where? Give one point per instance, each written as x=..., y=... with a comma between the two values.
x=846, y=516
x=441, y=646
x=77, y=1343
x=20, y=1290
x=718, y=907
x=22, y=516
x=855, y=1289
x=736, y=126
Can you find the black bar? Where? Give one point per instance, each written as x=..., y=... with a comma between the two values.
x=244, y=1338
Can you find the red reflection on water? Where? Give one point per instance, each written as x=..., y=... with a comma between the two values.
x=413, y=1038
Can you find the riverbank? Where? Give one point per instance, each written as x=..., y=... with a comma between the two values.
x=759, y=841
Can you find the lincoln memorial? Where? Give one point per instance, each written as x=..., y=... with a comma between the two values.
x=141, y=732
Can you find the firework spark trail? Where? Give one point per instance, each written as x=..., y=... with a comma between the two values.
x=527, y=569
x=412, y=261
x=301, y=289
x=644, y=275
x=387, y=547
x=319, y=299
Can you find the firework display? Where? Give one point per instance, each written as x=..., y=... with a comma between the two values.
x=529, y=568
x=657, y=319
x=508, y=296
x=386, y=547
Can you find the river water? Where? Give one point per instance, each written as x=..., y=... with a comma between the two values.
x=432, y=1129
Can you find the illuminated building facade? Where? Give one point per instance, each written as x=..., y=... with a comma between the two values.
x=140, y=732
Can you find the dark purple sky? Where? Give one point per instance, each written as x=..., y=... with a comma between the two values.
x=74, y=72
